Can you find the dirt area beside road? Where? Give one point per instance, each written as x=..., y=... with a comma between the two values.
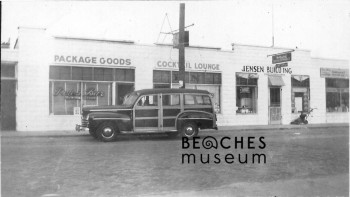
x=326, y=186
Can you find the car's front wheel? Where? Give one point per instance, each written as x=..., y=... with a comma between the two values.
x=189, y=130
x=107, y=132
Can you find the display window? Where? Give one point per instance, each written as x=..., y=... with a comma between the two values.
x=246, y=93
x=337, y=95
x=194, y=80
x=300, y=93
x=71, y=88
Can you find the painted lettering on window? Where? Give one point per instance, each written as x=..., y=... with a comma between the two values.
x=91, y=94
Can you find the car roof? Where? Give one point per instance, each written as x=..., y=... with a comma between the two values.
x=170, y=90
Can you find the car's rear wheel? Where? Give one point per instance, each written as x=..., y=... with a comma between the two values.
x=189, y=130
x=107, y=132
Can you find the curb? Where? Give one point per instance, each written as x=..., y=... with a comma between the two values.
x=281, y=127
x=9, y=134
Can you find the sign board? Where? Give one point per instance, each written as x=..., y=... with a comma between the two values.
x=281, y=65
x=176, y=39
x=76, y=110
x=334, y=73
x=285, y=57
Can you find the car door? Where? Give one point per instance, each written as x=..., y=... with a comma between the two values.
x=147, y=114
x=169, y=110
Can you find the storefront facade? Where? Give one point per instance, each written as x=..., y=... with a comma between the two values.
x=57, y=76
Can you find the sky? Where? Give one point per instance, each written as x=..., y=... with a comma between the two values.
x=322, y=26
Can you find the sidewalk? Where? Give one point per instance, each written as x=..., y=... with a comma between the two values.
x=221, y=128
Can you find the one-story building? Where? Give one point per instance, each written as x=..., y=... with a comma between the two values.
x=46, y=80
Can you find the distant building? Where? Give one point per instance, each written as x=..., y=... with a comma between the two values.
x=5, y=45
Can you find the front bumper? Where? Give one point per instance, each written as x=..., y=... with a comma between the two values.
x=81, y=128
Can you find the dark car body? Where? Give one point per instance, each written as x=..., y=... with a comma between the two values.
x=171, y=111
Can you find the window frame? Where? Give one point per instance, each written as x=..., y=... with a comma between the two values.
x=297, y=88
x=111, y=88
x=337, y=90
x=252, y=87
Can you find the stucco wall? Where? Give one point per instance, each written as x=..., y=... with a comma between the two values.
x=38, y=49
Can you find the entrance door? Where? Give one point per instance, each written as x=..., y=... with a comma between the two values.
x=275, y=116
x=8, y=105
x=147, y=114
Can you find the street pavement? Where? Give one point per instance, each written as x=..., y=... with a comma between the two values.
x=300, y=161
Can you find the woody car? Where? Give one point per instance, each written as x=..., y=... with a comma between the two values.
x=171, y=111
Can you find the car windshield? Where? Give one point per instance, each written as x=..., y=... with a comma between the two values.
x=129, y=99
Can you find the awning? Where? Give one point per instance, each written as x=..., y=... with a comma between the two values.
x=248, y=75
x=276, y=81
x=300, y=77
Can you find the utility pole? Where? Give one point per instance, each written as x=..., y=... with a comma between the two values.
x=182, y=46
x=273, y=27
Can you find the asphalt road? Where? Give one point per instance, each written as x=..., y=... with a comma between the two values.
x=296, y=162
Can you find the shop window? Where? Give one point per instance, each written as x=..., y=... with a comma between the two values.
x=124, y=74
x=337, y=95
x=161, y=76
x=71, y=88
x=64, y=96
x=82, y=73
x=61, y=72
x=175, y=77
x=246, y=93
x=197, y=78
x=300, y=93
x=103, y=74
x=97, y=94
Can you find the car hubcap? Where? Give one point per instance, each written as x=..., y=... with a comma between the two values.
x=189, y=131
x=107, y=132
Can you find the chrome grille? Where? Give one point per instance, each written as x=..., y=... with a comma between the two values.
x=84, y=122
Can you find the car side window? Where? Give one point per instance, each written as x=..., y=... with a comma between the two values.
x=149, y=100
x=206, y=100
x=171, y=100
x=199, y=100
x=189, y=99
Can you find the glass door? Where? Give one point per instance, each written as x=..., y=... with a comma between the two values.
x=275, y=116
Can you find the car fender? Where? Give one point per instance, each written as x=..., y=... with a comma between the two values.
x=202, y=119
x=122, y=121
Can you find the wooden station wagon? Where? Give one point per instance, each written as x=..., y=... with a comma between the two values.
x=171, y=111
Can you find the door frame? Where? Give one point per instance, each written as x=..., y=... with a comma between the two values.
x=269, y=105
x=147, y=129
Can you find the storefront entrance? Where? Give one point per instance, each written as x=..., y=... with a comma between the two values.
x=8, y=105
x=275, y=105
x=8, y=96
